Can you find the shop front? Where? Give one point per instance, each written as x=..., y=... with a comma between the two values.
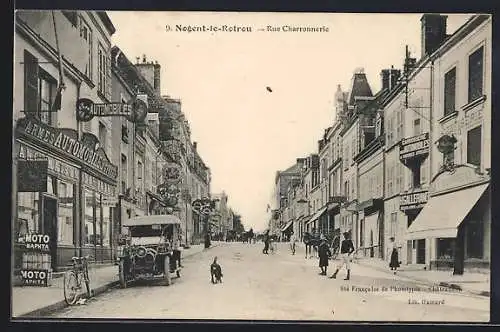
x=454, y=226
x=64, y=183
x=411, y=204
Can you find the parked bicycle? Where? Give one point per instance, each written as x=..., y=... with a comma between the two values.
x=74, y=279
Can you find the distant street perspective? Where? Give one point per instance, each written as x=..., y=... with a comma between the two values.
x=280, y=286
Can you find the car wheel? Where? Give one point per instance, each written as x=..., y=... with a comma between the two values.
x=121, y=269
x=166, y=271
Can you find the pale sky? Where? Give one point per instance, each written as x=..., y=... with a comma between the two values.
x=245, y=133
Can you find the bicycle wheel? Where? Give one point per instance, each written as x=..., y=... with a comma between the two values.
x=86, y=278
x=71, y=287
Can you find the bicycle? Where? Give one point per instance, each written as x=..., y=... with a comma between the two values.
x=73, y=279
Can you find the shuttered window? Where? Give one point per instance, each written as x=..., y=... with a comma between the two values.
x=30, y=83
x=449, y=91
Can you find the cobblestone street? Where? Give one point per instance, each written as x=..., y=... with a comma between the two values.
x=279, y=287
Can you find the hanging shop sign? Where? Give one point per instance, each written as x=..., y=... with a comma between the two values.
x=414, y=146
x=413, y=200
x=136, y=111
x=86, y=151
x=32, y=175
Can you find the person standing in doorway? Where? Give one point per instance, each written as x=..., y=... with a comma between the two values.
x=324, y=253
x=176, y=246
x=346, y=250
x=394, y=263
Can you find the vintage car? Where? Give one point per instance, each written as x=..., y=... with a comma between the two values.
x=147, y=252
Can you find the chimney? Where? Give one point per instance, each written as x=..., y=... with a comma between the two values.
x=433, y=32
x=195, y=145
x=384, y=74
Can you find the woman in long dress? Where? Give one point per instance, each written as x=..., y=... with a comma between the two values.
x=394, y=263
x=323, y=253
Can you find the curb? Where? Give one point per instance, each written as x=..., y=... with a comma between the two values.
x=52, y=308
x=430, y=283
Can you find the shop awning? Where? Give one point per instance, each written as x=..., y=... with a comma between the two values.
x=442, y=214
x=317, y=214
x=287, y=225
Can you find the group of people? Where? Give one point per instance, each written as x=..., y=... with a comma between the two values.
x=346, y=253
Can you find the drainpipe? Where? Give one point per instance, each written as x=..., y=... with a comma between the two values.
x=80, y=197
x=431, y=108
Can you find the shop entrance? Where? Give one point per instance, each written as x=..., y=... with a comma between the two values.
x=49, y=226
x=421, y=251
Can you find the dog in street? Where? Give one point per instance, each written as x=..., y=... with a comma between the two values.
x=216, y=272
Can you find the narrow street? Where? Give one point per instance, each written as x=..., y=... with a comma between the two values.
x=278, y=287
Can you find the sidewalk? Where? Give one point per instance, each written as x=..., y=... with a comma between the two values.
x=39, y=301
x=473, y=283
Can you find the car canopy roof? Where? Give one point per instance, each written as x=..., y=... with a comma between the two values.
x=161, y=219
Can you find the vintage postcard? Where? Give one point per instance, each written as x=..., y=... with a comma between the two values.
x=251, y=166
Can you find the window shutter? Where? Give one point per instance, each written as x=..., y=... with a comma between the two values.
x=108, y=76
x=30, y=83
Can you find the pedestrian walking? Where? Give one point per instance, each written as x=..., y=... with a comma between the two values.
x=394, y=263
x=266, y=243
x=346, y=249
x=293, y=241
x=176, y=246
x=323, y=253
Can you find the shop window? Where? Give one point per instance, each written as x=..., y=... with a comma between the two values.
x=445, y=248
x=449, y=91
x=474, y=238
x=106, y=222
x=89, y=235
x=474, y=146
x=65, y=213
x=475, y=87
x=27, y=210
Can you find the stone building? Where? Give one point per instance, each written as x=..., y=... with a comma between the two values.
x=63, y=174
x=460, y=145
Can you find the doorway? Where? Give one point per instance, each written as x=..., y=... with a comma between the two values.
x=421, y=251
x=49, y=226
x=372, y=250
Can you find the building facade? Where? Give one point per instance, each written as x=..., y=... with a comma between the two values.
x=460, y=159
x=74, y=185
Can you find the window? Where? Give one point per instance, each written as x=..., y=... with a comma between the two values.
x=124, y=173
x=390, y=179
x=86, y=35
x=65, y=213
x=89, y=235
x=102, y=82
x=449, y=91
x=416, y=127
x=423, y=172
x=390, y=134
x=139, y=176
x=39, y=90
x=476, y=74
x=346, y=189
x=399, y=124
x=474, y=146
x=106, y=222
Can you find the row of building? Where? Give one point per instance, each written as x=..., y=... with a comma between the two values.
x=80, y=167
x=410, y=162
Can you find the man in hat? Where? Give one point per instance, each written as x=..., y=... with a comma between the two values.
x=346, y=249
